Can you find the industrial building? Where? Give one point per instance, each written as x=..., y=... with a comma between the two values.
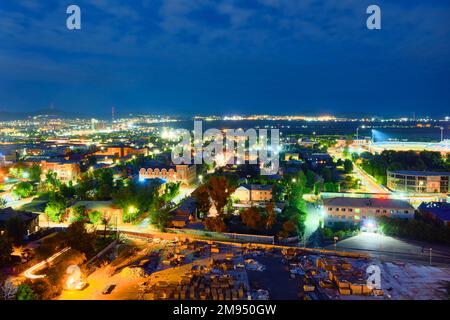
x=418, y=181
x=360, y=210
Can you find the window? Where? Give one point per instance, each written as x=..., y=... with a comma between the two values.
x=350, y=210
x=343, y=209
x=337, y=209
x=356, y=217
x=330, y=209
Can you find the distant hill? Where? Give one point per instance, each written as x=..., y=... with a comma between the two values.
x=53, y=113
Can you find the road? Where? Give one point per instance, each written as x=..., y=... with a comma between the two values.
x=367, y=182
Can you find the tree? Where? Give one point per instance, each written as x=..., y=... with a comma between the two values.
x=137, y=199
x=52, y=182
x=34, y=173
x=6, y=248
x=105, y=220
x=79, y=238
x=215, y=224
x=95, y=216
x=79, y=213
x=220, y=190
x=24, y=292
x=348, y=166
x=171, y=191
x=252, y=218
x=160, y=218
x=202, y=199
x=23, y=189
x=3, y=203
x=56, y=207
x=289, y=228
x=271, y=216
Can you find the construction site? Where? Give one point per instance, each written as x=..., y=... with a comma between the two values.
x=183, y=269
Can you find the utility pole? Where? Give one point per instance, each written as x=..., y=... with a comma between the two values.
x=357, y=133
x=431, y=251
x=442, y=134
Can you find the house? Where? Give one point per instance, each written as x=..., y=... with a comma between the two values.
x=30, y=220
x=247, y=193
x=65, y=170
x=357, y=210
x=317, y=160
x=436, y=211
x=184, y=214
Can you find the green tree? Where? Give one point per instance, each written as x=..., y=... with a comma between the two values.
x=34, y=173
x=79, y=213
x=3, y=203
x=95, y=217
x=160, y=218
x=56, y=208
x=24, y=292
x=52, y=181
x=23, y=189
x=79, y=238
x=348, y=166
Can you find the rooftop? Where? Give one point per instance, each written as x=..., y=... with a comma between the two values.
x=266, y=187
x=420, y=173
x=368, y=203
x=8, y=213
x=439, y=209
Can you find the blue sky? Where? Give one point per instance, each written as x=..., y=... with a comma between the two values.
x=226, y=57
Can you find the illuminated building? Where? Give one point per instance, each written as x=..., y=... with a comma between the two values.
x=356, y=210
x=120, y=151
x=253, y=193
x=65, y=170
x=183, y=173
x=30, y=221
x=418, y=181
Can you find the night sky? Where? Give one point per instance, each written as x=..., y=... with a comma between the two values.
x=226, y=57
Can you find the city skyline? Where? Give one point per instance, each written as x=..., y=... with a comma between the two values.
x=198, y=57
